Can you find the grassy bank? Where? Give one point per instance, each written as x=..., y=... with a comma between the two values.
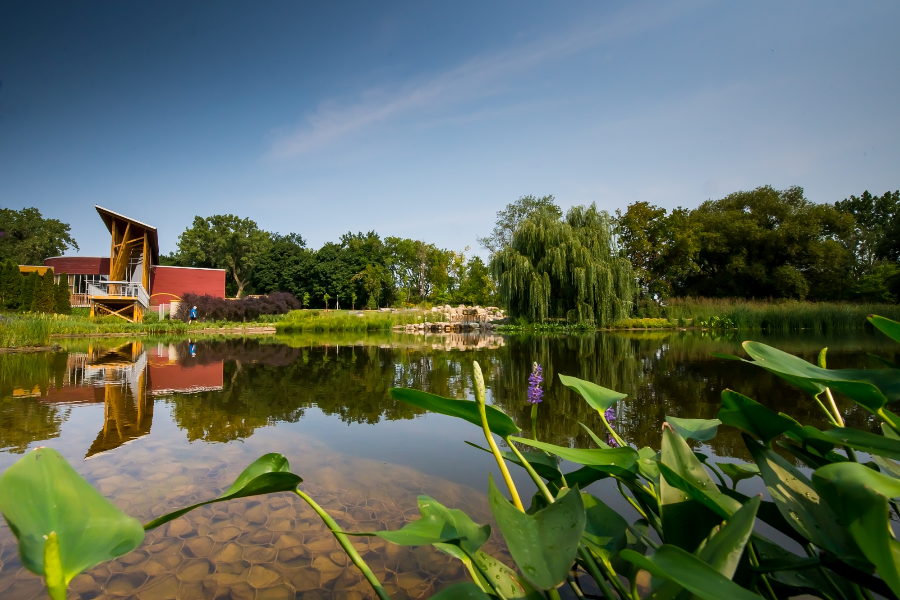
x=298, y=321
x=772, y=316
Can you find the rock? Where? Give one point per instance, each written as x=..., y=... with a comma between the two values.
x=328, y=570
x=261, y=576
x=195, y=570
x=305, y=580
x=161, y=589
x=228, y=553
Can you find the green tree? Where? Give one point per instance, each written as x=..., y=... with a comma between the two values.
x=10, y=285
x=372, y=279
x=44, y=293
x=477, y=287
x=224, y=242
x=565, y=268
x=509, y=218
x=326, y=297
x=767, y=243
x=30, y=284
x=284, y=266
x=305, y=302
x=869, y=267
x=63, y=299
x=29, y=238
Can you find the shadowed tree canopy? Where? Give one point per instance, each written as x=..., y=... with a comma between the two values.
x=565, y=268
x=28, y=238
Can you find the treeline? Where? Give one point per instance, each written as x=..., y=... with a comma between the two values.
x=359, y=270
x=767, y=243
x=33, y=292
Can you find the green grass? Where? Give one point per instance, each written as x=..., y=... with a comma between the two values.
x=298, y=321
x=642, y=323
x=781, y=316
x=19, y=333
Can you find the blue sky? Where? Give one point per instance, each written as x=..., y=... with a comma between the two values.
x=422, y=119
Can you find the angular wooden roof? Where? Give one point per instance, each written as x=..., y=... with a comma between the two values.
x=108, y=216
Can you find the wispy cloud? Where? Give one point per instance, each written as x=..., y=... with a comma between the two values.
x=476, y=78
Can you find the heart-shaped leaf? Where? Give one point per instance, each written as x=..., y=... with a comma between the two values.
x=701, y=430
x=737, y=472
x=598, y=397
x=498, y=421
x=49, y=507
x=268, y=474
x=886, y=326
x=675, y=565
x=618, y=460
x=512, y=585
x=745, y=413
x=605, y=531
x=544, y=544
x=859, y=496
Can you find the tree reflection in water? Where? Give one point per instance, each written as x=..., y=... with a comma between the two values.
x=233, y=387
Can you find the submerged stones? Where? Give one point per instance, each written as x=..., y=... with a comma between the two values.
x=265, y=548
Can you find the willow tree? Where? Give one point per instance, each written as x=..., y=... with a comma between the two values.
x=565, y=268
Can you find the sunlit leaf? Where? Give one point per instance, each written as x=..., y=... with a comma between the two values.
x=498, y=421
x=268, y=474
x=543, y=464
x=737, y=472
x=710, y=497
x=801, y=506
x=598, y=397
x=512, y=585
x=605, y=531
x=701, y=430
x=676, y=565
x=597, y=439
x=40, y=495
x=865, y=441
x=745, y=413
x=544, y=544
x=617, y=459
x=859, y=497
x=886, y=326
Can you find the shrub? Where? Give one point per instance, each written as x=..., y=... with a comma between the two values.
x=45, y=294
x=63, y=300
x=27, y=290
x=210, y=308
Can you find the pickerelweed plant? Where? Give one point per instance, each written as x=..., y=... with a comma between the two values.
x=695, y=535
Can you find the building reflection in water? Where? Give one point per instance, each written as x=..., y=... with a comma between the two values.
x=126, y=379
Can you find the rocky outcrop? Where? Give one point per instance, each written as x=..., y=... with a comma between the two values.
x=460, y=318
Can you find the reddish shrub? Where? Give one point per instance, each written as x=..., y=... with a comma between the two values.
x=210, y=308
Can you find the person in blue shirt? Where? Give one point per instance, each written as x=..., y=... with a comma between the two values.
x=193, y=316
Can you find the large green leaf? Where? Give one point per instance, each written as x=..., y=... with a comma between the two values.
x=464, y=590
x=512, y=585
x=686, y=521
x=597, y=439
x=886, y=326
x=498, y=421
x=801, y=506
x=675, y=565
x=865, y=441
x=615, y=459
x=859, y=497
x=598, y=397
x=737, y=472
x=544, y=544
x=745, y=413
x=268, y=474
x=710, y=497
x=40, y=495
x=605, y=531
x=701, y=430
x=873, y=388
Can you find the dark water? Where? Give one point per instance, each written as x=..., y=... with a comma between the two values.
x=156, y=424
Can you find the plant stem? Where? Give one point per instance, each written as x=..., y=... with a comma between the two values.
x=837, y=413
x=595, y=572
x=553, y=594
x=482, y=411
x=631, y=501
x=347, y=546
x=534, y=476
x=827, y=412
x=534, y=409
x=754, y=561
x=612, y=431
x=574, y=585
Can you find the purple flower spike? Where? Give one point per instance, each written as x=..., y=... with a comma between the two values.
x=610, y=414
x=612, y=442
x=535, y=393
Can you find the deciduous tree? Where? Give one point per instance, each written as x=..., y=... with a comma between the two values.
x=29, y=238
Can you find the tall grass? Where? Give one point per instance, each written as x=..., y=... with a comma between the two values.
x=19, y=333
x=783, y=316
x=298, y=321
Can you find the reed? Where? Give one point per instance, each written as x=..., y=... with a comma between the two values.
x=782, y=316
x=298, y=321
x=18, y=333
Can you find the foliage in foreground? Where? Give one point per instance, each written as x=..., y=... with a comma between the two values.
x=696, y=535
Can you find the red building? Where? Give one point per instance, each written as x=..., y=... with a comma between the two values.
x=139, y=283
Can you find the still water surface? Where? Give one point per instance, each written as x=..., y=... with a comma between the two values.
x=158, y=424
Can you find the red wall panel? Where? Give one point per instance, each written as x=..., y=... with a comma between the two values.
x=171, y=283
x=79, y=265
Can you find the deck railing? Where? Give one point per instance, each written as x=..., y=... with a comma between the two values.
x=126, y=289
x=80, y=300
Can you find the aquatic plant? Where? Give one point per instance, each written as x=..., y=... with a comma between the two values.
x=696, y=535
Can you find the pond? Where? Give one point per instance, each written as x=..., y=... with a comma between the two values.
x=159, y=424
